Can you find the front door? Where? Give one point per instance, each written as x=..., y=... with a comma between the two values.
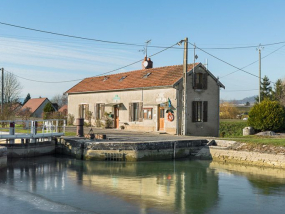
x=161, y=118
x=116, y=117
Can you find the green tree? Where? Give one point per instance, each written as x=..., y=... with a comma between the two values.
x=49, y=108
x=267, y=116
x=48, y=111
x=27, y=98
x=265, y=90
x=279, y=91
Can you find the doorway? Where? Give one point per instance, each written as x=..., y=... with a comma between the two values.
x=116, y=117
x=161, y=115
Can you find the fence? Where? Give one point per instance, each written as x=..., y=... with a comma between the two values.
x=31, y=130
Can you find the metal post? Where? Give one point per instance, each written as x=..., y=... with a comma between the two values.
x=259, y=53
x=2, y=96
x=184, y=110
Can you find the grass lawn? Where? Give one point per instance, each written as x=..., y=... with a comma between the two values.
x=233, y=131
x=258, y=140
x=70, y=134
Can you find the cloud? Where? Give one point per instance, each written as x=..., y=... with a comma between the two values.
x=54, y=61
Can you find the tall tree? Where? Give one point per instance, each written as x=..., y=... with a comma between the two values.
x=265, y=90
x=279, y=91
x=27, y=98
x=12, y=88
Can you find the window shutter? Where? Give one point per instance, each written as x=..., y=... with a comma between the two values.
x=194, y=111
x=205, y=80
x=205, y=111
x=102, y=110
x=131, y=112
x=140, y=111
x=86, y=110
x=80, y=111
x=96, y=108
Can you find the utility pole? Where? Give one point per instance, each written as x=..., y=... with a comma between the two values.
x=184, y=109
x=2, y=96
x=259, y=52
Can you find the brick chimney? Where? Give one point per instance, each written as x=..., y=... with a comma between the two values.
x=147, y=63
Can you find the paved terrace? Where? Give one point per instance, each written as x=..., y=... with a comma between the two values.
x=116, y=135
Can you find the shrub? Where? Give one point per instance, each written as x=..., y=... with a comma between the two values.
x=267, y=115
x=228, y=111
x=70, y=119
x=232, y=128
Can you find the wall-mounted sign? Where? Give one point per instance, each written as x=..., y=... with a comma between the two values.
x=116, y=99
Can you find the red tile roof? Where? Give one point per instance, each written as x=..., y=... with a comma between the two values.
x=63, y=108
x=34, y=104
x=162, y=76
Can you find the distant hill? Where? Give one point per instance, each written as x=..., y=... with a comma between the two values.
x=251, y=100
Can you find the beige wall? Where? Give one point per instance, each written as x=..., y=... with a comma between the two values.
x=151, y=98
x=211, y=94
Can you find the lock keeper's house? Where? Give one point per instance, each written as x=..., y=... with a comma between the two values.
x=150, y=99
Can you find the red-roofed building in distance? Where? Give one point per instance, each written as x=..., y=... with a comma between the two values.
x=150, y=99
x=36, y=106
x=63, y=110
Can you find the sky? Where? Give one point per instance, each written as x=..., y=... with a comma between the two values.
x=39, y=59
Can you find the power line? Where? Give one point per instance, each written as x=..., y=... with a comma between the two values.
x=223, y=61
x=32, y=80
x=130, y=44
x=253, y=62
x=240, y=90
x=239, y=69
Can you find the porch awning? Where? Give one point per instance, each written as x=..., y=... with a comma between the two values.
x=113, y=104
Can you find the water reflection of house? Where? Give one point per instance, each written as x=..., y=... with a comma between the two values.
x=141, y=99
x=181, y=187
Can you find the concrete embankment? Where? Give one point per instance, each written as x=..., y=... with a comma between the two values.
x=3, y=157
x=226, y=151
x=128, y=151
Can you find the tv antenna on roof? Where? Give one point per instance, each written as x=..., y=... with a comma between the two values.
x=145, y=48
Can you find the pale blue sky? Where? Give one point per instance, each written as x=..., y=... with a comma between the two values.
x=209, y=24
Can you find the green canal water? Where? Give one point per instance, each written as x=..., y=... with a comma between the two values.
x=64, y=185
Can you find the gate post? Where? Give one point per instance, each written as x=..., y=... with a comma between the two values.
x=12, y=132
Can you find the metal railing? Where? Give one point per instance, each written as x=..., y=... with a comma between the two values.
x=31, y=129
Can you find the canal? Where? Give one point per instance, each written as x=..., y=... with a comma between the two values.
x=63, y=185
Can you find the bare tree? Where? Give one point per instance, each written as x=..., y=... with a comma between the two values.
x=12, y=88
x=60, y=99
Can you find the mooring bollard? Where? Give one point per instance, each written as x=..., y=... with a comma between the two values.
x=12, y=132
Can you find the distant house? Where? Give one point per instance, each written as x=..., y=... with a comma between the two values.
x=63, y=110
x=36, y=106
x=151, y=99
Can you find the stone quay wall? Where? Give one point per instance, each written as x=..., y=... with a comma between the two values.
x=128, y=151
x=3, y=157
x=223, y=151
x=29, y=149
